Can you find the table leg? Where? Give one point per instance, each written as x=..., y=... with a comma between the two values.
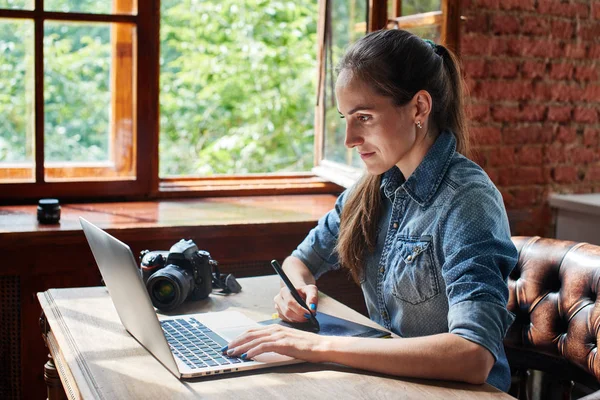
x=53, y=383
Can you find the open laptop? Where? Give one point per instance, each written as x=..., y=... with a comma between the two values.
x=187, y=345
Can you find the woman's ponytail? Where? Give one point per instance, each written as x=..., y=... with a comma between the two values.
x=454, y=100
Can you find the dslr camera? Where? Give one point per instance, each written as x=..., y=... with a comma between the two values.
x=182, y=273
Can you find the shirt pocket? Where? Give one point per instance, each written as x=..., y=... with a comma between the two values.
x=413, y=275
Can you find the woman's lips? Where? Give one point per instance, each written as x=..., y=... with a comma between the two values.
x=364, y=156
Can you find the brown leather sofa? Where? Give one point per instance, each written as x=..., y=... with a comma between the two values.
x=553, y=293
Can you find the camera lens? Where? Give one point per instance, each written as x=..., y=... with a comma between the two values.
x=164, y=291
x=169, y=287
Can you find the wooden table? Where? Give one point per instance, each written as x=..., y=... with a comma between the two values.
x=242, y=233
x=96, y=358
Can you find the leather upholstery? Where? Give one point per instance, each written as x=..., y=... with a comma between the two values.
x=554, y=295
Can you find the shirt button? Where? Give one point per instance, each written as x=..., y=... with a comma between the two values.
x=384, y=314
x=382, y=270
x=395, y=225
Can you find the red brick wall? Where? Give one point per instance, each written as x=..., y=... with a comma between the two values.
x=532, y=68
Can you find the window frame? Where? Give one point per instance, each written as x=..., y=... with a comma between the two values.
x=449, y=16
x=144, y=23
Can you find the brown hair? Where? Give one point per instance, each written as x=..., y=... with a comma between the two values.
x=396, y=64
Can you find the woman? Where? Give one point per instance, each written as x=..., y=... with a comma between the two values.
x=425, y=232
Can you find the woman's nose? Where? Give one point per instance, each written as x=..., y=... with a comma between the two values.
x=353, y=139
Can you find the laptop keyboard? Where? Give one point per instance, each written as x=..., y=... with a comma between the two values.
x=195, y=344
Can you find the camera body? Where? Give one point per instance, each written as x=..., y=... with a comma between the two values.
x=182, y=273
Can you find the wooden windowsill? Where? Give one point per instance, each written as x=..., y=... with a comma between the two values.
x=21, y=221
x=253, y=185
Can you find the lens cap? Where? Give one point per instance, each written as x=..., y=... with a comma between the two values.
x=48, y=211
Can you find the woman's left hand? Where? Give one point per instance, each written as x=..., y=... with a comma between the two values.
x=279, y=339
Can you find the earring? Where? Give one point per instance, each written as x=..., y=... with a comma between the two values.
x=419, y=124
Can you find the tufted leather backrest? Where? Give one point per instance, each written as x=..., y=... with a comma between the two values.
x=553, y=293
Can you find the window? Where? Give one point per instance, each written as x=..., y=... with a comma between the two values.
x=432, y=19
x=69, y=86
x=237, y=86
x=169, y=98
x=436, y=20
x=334, y=161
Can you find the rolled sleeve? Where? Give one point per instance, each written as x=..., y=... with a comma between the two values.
x=317, y=250
x=479, y=256
x=480, y=322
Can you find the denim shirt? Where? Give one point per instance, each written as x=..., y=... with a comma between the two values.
x=443, y=254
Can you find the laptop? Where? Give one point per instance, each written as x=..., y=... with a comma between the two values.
x=187, y=345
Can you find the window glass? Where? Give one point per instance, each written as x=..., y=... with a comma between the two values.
x=76, y=91
x=431, y=32
x=17, y=4
x=237, y=86
x=348, y=18
x=91, y=6
x=411, y=7
x=16, y=100
x=88, y=107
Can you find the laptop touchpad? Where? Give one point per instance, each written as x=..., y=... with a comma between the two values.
x=231, y=324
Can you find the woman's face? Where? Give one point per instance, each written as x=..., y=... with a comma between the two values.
x=383, y=134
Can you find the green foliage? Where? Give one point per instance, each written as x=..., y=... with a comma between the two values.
x=16, y=95
x=237, y=86
x=17, y=4
x=410, y=7
x=76, y=91
x=347, y=16
x=85, y=6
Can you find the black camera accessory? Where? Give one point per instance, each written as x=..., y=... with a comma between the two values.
x=48, y=211
x=227, y=283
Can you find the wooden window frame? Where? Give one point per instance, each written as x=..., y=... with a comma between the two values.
x=449, y=17
x=145, y=24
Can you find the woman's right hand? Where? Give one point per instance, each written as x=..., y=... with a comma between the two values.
x=288, y=308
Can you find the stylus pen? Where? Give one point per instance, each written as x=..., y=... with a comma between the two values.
x=294, y=292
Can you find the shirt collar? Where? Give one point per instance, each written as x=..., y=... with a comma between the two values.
x=424, y=181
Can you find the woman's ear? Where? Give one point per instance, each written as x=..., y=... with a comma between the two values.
x=424, y=104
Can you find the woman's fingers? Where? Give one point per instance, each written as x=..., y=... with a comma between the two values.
x=275, y=338
x=264, y=347
x=311, y=294
x=288, y=308
x=248, y=336
x=258, y=342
